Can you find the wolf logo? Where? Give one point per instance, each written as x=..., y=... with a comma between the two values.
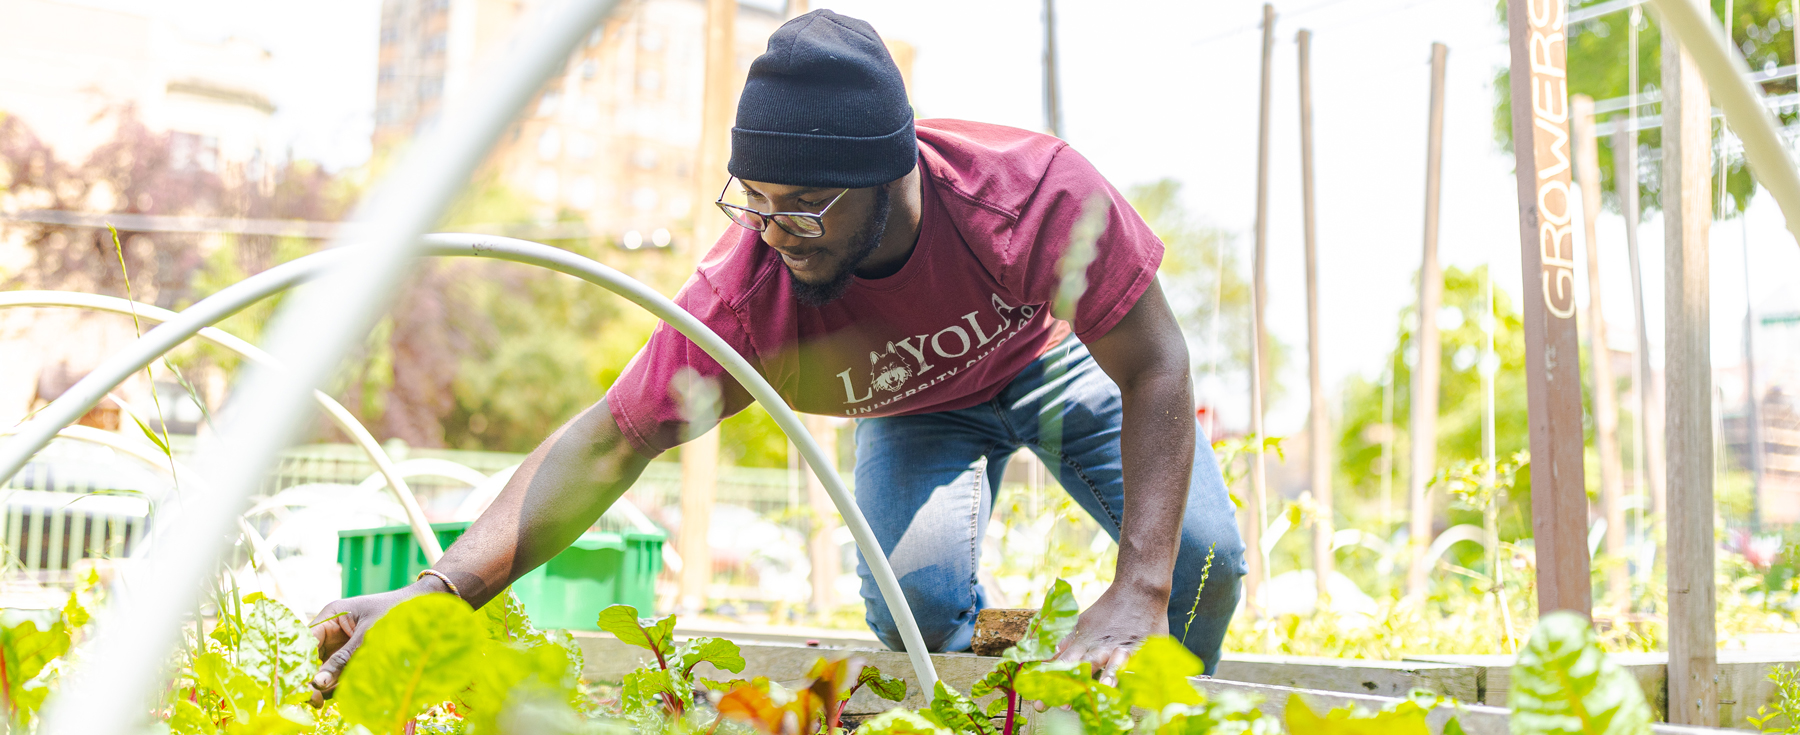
x=889, y=372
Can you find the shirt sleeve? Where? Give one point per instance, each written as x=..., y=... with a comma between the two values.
x=672, y=390
x=1125, y=256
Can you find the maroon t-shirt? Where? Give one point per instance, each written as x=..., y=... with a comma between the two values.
x=967, y=312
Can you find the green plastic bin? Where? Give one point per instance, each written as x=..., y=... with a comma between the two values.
x=601, y=568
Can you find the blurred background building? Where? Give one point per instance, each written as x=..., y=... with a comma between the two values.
x=607, y=149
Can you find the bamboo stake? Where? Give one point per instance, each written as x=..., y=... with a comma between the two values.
x=1687, y=216
x=700, y=457
x=1606, y=401
x=1553, y=370
x=1650, y=423
x=1319, y=440
x=1253, y=518
x=1425, y=369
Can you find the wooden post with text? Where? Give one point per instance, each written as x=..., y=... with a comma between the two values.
x=1540, y=116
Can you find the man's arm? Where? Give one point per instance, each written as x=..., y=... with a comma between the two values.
x=557, y=493
x=1146, y=355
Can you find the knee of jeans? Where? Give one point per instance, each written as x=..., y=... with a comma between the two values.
x=941, y=620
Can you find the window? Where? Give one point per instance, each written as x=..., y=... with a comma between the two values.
x=437, y=43
x=544, y=185
x=581, y=193
x=581, y=147
x=547, y=104
x=644, y=158
x=549, y=144
x=650, y=80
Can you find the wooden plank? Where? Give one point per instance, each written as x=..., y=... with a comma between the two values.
x=1319, y=421
x=1687, y=215
x=1253, y=514
x=1423, y=428
x=700, y=457
x=1473, y=719
x=821, y=550
x=1356, y=676
x=1605, y=401
x=1552, y=347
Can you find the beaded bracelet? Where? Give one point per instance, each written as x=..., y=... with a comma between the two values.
x=442, y=578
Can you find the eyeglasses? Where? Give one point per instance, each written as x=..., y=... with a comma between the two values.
x=798, y=224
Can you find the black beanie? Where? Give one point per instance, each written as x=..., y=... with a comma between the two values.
x=824, y=106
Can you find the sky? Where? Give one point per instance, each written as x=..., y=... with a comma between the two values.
x=1159, y=89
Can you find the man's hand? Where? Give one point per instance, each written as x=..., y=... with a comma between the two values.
x=1110, y=630
x=340, y=627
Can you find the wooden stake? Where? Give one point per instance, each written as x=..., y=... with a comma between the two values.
x=821, y=550
x=1425, y=370
x=1253, y=517
x=1687, y=215
x=1650, y=423
x=700, y=457
x=1606, y=401
x=1319, y=436
x=1540, y=111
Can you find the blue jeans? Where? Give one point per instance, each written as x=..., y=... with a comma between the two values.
x=927, y=485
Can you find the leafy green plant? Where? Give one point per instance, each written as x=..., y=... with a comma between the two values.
x=1782, y=715
x=1563, y=683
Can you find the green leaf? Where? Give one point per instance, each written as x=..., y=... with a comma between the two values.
x=276, y=648
x=26, y=647
x=420, y=653
x=1048, y=627
x=1055, y=683
x=154, y=438
x=901, y=721
x=890, y=688
x=1156, y=676
x=1563, y=683
x=1408, y=718
x=1000, y=678
x=951, y=710
x=243, y=695
x=622, y=621
x=722, y=654
x=189, y=719
x=508, y=674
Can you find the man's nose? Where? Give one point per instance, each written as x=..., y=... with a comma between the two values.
x=780, y=238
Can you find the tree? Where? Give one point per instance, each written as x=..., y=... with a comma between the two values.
x=1597, y=62
x=1460, y=396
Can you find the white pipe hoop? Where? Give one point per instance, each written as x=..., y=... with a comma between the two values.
x=54, y=414
x=1727, y=76
x=530, y=253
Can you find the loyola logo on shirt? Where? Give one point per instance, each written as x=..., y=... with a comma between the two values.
x=949, y=349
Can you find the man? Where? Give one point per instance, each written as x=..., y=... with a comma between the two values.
x=904, y=275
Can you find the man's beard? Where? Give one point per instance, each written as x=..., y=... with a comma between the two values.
x=862, y=243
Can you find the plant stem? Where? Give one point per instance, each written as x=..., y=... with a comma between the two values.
x=1012, y=709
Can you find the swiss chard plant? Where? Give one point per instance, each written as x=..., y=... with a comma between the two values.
x=1563, y=683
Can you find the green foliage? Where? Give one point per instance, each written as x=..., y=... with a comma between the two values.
x=657, y=637
x=1563, y=683
x=28, y=645
x=276, y=648
x=421, y=653
x=1783, y=714
x=1406, y=718
x=1156, y=676
x=902, y=722
x=1598, y=66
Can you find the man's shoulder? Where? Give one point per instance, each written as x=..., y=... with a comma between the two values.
x=736, y=269
x=995, y=167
